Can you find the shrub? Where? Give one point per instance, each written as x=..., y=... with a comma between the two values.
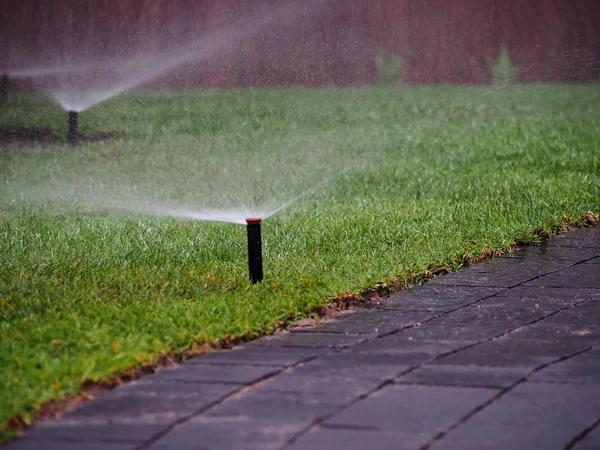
x=389, y=67
x=503, y=71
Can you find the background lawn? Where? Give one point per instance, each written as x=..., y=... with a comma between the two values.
x=389, y=182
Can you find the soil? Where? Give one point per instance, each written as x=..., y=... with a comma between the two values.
x=25, y=137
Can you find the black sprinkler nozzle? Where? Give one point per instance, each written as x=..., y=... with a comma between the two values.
x=73, y=125
x=254, y=250
x=5, y=87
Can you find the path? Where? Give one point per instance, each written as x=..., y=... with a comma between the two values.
x=502, y=355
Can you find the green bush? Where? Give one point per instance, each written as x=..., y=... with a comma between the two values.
x=503, y=71
x=389, y=67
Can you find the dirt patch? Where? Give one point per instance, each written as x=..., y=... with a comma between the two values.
x=26, y=137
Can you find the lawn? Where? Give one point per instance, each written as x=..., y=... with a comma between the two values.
x=380, y=185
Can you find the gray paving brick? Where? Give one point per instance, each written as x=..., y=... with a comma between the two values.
x=590, y=442
x=194, y=372
x=415, y=411
x=464, y=375
x=349, y=439
x=133, y=412
x=258, y=403
x=545, y=293
x=544, y=252
x=370, y=322
x=510, y=266
x=342, y=376
x=437, y=297
x=257, y=356
x=500, y=273
x=473, y=324
x=510, y=306
x=531, y=416
x=411, y=350
x=239, y=433
x=580, y=369
x=28, y=444
x=108, y=429
x=579, y=276
x=593, y=261
x=584, y=237
x=513, y=351
x=311, y=340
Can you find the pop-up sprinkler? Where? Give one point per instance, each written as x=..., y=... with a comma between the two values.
x=73, y=124
x=254, y=250
x=5, y=87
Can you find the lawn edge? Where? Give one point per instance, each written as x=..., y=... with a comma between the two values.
x=90, y=389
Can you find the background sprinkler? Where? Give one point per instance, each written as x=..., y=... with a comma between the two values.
x=254, y=250
x=73, y=124
x=4, y=88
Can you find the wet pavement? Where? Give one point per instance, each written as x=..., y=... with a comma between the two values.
x=502, y=355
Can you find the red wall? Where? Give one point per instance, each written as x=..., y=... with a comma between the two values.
x=310, y=42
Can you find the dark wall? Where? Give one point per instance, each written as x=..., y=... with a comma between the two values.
x=307, y=42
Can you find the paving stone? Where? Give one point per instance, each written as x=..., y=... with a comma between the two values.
x=194, y=372
x=466, y=327
x=501, y=309
x=590, y=442
x=579, y=276
x=258, y=403
x=546, y=252
x=416, y=412
x=257, y=356
x=566, y=294
x=151, y=401
x=29, y=444
x=106, y=429
x=530, y=416
x=370, y=322
x=411, y=350
x=584, y=237
x=553, y=332
x=311, y=340
x=343, y=376
x=348, y=439
x=239, y=433
x=509, y=266
x=464, y=375
x=518, y=305
x=437, y=297
x=580, y=369
x=500, y=272
x=584, y=315
x=514, y=351
x=473, y=278
x=593, y=261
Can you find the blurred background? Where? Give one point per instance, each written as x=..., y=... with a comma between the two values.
x=307, y=43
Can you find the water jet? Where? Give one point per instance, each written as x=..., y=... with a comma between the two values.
x=5, y=87
x=254, y=250
x=73, y=125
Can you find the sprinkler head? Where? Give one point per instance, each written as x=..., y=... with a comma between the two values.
x=254, y=250
x=73, y=125
x=5, y=87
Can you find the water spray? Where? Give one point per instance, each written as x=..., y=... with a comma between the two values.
x=73, y=125
x=5, y=87
x=254, y=250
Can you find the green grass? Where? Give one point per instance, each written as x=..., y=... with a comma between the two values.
x=415, y=178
